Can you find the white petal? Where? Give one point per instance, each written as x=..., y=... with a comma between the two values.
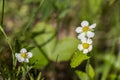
x=90, y=48
x=26, y=60
x=84, y=40
x=20, y=59
x=80, y=47
x=85, y=51
x=78, y=30
x=92, y=26
x=89, y=41
x=81, y=36
x=29, y=54
x=90, y=34
x=84, y=23
x=23, y=50
x=17, y=55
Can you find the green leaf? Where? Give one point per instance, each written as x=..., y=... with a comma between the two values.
x=31, y=1
x=91, y=72
x=64, y=13
x=78, y=58
x=65, y=49
x=109, y=61
x=38, y=60
x=46, y=9
x=81, y=75
x=113, y=76
x=47, y=40
x=117, y=62
x=105, y=71
x=111, y=2
x=39, y=27
x=62, y=51
x=31, y=76
x=39, y=76
x=95, y=5
x=62, y=4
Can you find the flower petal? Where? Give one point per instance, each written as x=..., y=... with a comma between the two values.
x=92, y=26
x=26, y=60
x=85, y=51
x=78, y=30
x=80, y=47
x=17, y=55
x=84, y=23
x=90, y=48
x=84, y=40
x=81, y=36
x=89, y=41
x=20, y=59
x=23, y=50
x=29, y=54
x=90, y=34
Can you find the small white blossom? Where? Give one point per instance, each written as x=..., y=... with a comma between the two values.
x=85, y=30
x=23, y=56
x=86, y=45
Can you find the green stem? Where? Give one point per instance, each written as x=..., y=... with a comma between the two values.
x=25, y=70
x=2, y=16
x=6, y=37
x=32, y=17
x=87, y=67
x=8, y=41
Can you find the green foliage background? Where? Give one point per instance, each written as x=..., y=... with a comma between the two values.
x=47, y=29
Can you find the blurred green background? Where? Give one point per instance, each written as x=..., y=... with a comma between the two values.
x=48, y=23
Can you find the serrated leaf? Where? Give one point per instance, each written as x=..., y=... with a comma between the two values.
x=81, y=75
x=91, y=72
x=38, y=60
x=65, y=49
x=78, y=58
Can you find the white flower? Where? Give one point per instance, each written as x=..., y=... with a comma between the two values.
x=86, y=45
x=23, y=56
x=85, y=30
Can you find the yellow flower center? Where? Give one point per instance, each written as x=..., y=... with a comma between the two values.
x=85, y=45
x=85, y=29
x=24, y=55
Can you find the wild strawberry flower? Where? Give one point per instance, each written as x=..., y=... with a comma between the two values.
x=23, y=56
x=85, y=30
x=86, y=45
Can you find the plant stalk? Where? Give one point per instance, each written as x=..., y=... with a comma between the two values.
x=2, y=16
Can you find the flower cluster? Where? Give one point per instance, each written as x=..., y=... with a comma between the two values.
x=85, y=35
x=23, y=56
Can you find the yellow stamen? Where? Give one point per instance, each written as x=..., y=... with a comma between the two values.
x=24, y=55
x=85, y=29
x=85, y=45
